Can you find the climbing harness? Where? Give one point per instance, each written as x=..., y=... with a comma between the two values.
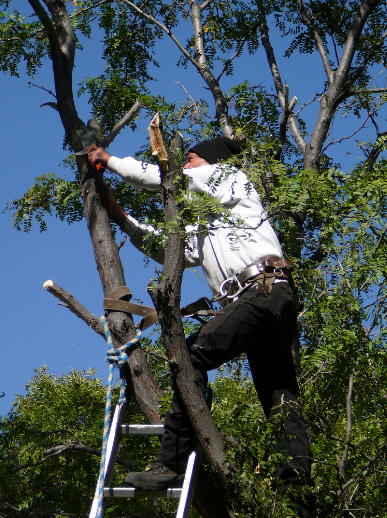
x=265, y=272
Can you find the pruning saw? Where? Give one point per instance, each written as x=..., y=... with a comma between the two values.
x=88, y=140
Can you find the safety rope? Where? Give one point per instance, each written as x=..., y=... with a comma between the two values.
x=115, y=357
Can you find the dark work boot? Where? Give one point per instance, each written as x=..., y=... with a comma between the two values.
x=154, y=477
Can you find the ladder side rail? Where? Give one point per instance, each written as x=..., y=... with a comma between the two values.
x=114, y=439
x=113, y=444
x=189, y=483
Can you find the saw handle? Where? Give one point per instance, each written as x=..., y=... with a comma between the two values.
x=99, y=167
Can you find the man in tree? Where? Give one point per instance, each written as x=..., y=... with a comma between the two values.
x=243, y=262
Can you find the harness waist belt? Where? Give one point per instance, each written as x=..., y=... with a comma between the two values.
x=275, y=265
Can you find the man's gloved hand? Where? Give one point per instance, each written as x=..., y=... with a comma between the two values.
x=98, y=156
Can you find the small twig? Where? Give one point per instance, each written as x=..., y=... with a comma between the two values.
x=314, y=376
x=236, y=54
x=347, y=137
x=74, y=15
x=306, y=104
x=187, y=94
x=147, y=351
x=30, y=83
x=121, y=244
x=181, y=6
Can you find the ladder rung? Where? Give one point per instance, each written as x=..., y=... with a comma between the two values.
x=132, y=492
x=142, y=429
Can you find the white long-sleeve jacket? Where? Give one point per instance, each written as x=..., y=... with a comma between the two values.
x=228, y=247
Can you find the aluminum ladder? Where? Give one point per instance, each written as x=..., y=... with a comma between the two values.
x=118, y=430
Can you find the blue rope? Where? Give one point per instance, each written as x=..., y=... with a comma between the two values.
x=115, y=357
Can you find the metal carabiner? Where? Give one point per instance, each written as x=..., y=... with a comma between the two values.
x=228, y=282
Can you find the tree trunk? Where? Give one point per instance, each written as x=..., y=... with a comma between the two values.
x=166, y=298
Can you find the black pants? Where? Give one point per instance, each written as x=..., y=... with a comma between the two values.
x=261, y=325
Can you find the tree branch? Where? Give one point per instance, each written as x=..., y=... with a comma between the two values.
x=343, y=460
x=200, y=64
x=229, y=60
x=165, y=29
x=264, y=30
x=47, y=24
x=319, y=43
x=362, y=469
x=344, y=457
x=205, y=4
x=64, y=31
x=237, y=52
x=74, y=446
x=76, y=307
x=220, y=102
x=62, y=448
x=166, y=298
x=123, y=122
x=375, y=152
x=346, y=137
x=365, y=9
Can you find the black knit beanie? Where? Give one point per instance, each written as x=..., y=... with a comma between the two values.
x=216, y=149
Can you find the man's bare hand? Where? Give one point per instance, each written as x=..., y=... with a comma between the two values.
x=98, y=156
x=115, y=212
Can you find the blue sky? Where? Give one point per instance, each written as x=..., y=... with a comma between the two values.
x=35, y=329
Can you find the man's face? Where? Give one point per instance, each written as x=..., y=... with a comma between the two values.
x=193, y=160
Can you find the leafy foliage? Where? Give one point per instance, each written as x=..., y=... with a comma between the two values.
x=331, y=220
x=50, y=447
x=48, y=193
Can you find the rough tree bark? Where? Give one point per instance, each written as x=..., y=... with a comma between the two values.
x=166, y=297
x=56, y=23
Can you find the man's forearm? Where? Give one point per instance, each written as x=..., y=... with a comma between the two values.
x=136, y=173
